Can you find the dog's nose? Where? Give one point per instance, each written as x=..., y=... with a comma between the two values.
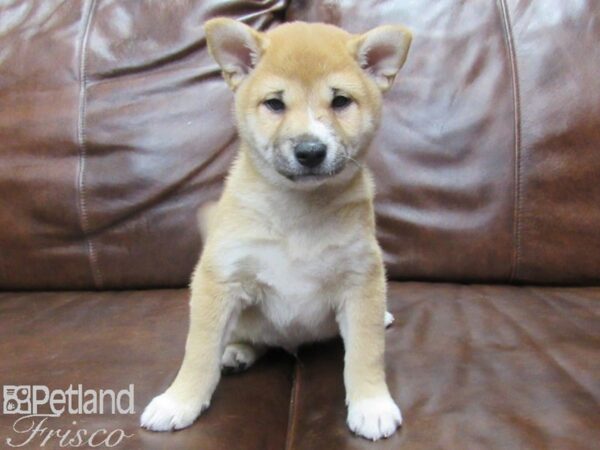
x=310, y=152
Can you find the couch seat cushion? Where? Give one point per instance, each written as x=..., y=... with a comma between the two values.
x=471, y=367
x=109, y=340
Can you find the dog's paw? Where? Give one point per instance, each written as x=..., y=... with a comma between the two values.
x=165, y=413
x=238, y=357
x=388, y=319
x=374, y=418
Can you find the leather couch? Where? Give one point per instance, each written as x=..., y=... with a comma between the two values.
x=115, y=126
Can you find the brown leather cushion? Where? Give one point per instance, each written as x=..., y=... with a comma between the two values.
x=113, y=339
x=488, y=160
x=471, y=367
x=483, y=367
x=115, y=126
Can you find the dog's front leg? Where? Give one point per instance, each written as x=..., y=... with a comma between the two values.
x=372, y=412
x=212, y=313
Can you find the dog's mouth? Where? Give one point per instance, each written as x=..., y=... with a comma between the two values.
x=313, y=175
x=299, y=174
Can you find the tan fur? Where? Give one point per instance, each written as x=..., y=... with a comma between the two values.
x=290, y=259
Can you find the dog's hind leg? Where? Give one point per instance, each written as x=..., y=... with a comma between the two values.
x=388, y=319
x=239, y=356
x=245, y=344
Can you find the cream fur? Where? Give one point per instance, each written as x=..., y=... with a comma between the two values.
x=287, y=262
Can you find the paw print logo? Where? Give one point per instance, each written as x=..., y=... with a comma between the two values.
x=17, y=399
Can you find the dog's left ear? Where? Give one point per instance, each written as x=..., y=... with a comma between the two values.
x=381, y=52
x=235, y=46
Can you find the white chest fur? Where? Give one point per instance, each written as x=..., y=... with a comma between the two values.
x=296, y=278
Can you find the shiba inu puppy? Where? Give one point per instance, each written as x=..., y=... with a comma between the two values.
x=290, y=254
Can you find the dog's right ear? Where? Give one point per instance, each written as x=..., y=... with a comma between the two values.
x=235, y=46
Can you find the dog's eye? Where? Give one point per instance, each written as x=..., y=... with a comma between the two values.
x=274, y=104
x=340, y=101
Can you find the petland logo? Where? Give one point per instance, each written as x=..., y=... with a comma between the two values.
x=37, y=405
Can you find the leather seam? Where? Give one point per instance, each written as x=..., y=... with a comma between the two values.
x=517, y=202
x=81, y=138
x=292, y=413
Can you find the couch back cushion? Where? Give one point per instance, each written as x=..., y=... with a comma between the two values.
x=115, y=126
x=488, y=163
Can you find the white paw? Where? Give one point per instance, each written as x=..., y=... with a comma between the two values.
x=388, y=319
x=374, y=418
x=165, y=413
x=238, y=357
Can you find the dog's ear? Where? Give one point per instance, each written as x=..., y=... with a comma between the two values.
x=381, y=52
x=235, y=46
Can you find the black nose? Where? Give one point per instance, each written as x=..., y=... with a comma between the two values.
x=310, y=152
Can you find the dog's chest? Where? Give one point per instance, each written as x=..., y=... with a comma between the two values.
x=296, y=279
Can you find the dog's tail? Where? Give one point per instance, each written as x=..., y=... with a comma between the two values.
x=206, y=214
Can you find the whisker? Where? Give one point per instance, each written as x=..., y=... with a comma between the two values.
x=350, y=158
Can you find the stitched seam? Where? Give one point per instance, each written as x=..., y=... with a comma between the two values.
x=517, y=208
x=291, y=427
x=81, y=138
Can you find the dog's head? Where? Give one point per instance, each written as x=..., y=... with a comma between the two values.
x=307, y=96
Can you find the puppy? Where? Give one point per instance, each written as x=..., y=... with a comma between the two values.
x=290, y=253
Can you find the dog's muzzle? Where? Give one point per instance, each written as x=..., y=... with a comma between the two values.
x=307, y=158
